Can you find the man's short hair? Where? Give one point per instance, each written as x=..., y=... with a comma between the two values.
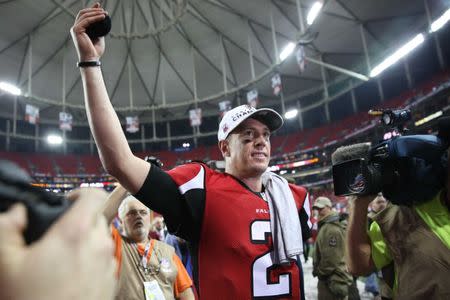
x=122, y=211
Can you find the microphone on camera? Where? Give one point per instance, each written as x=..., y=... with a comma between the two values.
x=350, y=152
x=100, y=28
x=352, y=173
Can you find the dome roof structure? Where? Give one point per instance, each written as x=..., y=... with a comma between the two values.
x=165, y=57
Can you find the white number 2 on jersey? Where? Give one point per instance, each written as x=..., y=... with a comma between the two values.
x=261, y=287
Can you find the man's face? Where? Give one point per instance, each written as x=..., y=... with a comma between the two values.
x=378, y=204
x=248, y=150
x=322, y=212
x=136, y=221
x=159, y=224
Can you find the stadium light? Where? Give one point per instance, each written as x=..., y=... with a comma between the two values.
x=12, y=89
x=290, y=114
x=429, y=118
x=440, y=22
x=186, y=145
x=314, y=12
x=287, y=51
x=54, y=139
x=403, y=51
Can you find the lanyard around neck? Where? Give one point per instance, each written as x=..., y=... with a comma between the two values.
x=145, y=256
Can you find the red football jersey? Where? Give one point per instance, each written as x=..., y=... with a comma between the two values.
x=235, y=242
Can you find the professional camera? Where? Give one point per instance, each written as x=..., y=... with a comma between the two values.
x=43, y=208
x=395, y=119
x=407, y=169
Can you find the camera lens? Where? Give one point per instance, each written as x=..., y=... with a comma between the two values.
x=395, y=117
x=386, y=119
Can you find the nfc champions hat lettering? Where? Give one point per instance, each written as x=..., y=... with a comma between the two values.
x=239, y=114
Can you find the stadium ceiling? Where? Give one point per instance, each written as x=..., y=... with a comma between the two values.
x=165, y=57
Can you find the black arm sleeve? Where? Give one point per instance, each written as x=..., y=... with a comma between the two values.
x=306, y=231
x=160, y=193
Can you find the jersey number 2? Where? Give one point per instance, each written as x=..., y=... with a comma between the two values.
x=261, y=285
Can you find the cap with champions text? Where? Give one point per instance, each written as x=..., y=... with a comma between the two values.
x=239, y=114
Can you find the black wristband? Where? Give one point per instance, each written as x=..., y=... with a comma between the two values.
x=89, y=63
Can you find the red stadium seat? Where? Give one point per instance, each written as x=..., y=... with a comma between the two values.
x=42, y=164
x=18, y=158
x=91, y=164
x=67, y=164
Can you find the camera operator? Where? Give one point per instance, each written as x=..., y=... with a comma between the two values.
x=415, y=238
x=72, y=260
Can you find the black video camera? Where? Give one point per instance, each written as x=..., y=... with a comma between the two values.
x=407, y=169
x=43, y=208
x=395, y=119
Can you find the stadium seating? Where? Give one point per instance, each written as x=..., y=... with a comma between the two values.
x=91, y=164
x=67, y=164
x=18, y=158
x=282, y=145
x=41, y=164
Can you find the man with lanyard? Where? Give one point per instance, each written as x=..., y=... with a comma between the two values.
x=260, y=260
x=147, y=268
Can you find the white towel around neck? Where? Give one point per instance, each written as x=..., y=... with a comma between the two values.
x=284, y=219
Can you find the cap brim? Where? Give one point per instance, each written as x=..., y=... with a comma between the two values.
x=319, y=206
x=269, y=117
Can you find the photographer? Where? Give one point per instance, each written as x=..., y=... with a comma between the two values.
x=72, y=260
x=416, y=238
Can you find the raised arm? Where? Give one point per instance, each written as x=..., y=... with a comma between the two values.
x=359, y=251
x=112, y=203
x=115, y=153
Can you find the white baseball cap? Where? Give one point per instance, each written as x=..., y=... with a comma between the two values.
x=321, y=202
x=239, y=114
